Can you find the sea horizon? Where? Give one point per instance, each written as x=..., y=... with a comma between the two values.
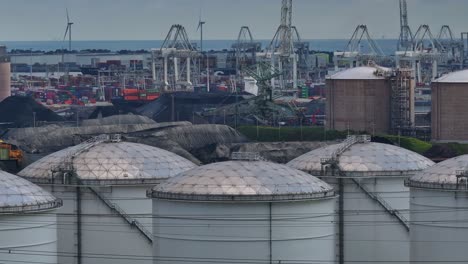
x=388, y=46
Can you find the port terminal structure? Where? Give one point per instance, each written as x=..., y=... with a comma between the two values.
x=178, y=50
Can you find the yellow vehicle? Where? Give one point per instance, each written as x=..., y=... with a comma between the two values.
x=11, y=153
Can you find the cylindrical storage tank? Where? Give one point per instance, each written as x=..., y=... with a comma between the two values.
x=358, y=100
x=28, y=222
x=106, y=217
x=243, y=212
x=439, y=201
x=5, y=74
x=449, y=107
x=373, y=208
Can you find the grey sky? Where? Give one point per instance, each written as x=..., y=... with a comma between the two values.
x=151, y=19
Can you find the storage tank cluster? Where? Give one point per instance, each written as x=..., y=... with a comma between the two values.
x=449, y=107
x=28, y=222
x=373, y=204
x=248, y=211
x=358, y=100
x=354, y=210
x=106, y=216
x=5, y=74
x=439, y=202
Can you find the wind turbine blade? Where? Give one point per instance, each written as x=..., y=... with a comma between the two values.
x=68, y=17
x=66, y=32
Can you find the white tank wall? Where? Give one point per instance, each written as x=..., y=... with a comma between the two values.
x=439, y=227
x=106, y=237
x=28, y=238
x=370, y=233
x=300, y=231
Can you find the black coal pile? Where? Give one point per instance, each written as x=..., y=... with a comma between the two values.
x=113, y=110
x=19, y=111
x=186, y=106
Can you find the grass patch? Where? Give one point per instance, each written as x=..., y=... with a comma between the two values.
x=409, y=143
x=289, y=134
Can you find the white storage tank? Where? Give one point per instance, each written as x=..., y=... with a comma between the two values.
x=28, y=222
x=439, y=202
x=373, y=208
x=243, y=212
x=106, y=217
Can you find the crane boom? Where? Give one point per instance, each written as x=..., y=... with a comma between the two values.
x=406, y=36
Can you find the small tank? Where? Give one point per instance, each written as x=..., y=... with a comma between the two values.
x=5, y=74
x=439, y=227
x=28, y=222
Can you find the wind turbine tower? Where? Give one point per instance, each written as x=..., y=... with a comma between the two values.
x=68, y=31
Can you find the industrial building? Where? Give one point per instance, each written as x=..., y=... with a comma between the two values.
x=370, y=99
x=358, y=100
x=103, y=182
x=373, y=201
x=449, y=107
x=28, y=222
x=244, y=210
x=439, y=229
x=5, y=73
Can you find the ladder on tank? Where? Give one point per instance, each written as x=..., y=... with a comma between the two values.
x=67, y=170
x=333, y=162
x=131, y=221
x=384, y=204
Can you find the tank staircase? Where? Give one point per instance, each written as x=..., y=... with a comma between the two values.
x=401, y=100
x=393, y=212
x=333, y=162
x=67, y=171
x=120, y=212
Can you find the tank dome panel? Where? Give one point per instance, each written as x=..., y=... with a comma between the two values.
x=443, y=175
x=243, y=180
x=107, y=162
x=364, y=158
x=20, y=195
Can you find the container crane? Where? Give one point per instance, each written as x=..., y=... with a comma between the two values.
x=176, y=47
x=353, y=55
x=405, y=41
x=453, y=47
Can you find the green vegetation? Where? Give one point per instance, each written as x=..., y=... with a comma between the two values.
x=412, y=144
x=288, y=134
x=459, y=149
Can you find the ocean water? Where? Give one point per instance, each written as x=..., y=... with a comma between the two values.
x=388, y=46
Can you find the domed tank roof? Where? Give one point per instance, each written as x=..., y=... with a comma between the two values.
x=243, y=181
x=358, y=73
x=364, y=158
x=18, y=195
x=444, y=175
x=454, y=77
x=111, y=163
